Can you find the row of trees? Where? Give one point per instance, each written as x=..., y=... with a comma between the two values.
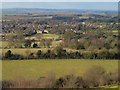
x=60, y=53
x=90, y=41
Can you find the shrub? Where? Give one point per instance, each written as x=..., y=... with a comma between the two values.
x=80, y=83
x=8, y=54
x=68, y=81
x=50, y=80
x=39, y=53
x=27, y=43
x=28, y=52
x=60, y=82
x=35, y=45
x=93, y=76
x=58, y=50
x=103, y=54
x=48, y=53
x=16, y=57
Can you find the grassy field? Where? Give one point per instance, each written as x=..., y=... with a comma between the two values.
x=4, y=44
x=114, y=31
x=50, y=36
x=33, y=69
x=109, y=87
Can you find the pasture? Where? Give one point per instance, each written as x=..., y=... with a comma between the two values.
x=50, y=36
x=107, y=31
x=34, y=69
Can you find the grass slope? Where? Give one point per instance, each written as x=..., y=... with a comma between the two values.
x=33, y=69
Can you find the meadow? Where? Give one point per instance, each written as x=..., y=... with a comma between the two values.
x=50, y=36
x=34, y=69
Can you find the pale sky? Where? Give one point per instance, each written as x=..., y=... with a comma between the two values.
x=96, y=4
x=59, y=0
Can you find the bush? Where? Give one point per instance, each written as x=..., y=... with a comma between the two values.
x=59, y=51
x=39, y=53
x=68, y=81
x=17, y=57
x=103, y=54
x=27, y=44
x=89, y=55
x=35, y=45
x=50, y=80
x=93, y=76
x=8, y=54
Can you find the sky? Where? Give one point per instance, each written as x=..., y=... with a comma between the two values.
x=63, y=5
x=60, y=0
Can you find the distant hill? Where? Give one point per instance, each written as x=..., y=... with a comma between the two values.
x=38, y=10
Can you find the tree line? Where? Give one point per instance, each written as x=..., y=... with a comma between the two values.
x=60, y=53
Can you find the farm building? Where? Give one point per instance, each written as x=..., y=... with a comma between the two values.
x=42, y=31
x=39, y=31
x=45, y=32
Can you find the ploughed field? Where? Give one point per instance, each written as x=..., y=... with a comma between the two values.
x=34, y=69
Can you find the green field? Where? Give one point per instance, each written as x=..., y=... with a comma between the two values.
x=115, y=31
x=4, y=44
x=50, y=36
x=114, y=87
x=33, y=69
